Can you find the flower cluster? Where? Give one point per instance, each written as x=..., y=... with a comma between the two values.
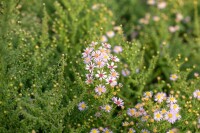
x=170, y=114
x=101, y=65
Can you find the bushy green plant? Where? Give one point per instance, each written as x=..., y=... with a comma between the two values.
x=66, y=66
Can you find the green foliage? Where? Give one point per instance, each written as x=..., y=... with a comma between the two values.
x=42, y=71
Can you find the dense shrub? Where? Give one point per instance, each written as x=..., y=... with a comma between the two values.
x=99, y=66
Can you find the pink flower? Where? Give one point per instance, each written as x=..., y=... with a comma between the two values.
x=111, y=66
x=114, y=58
x=100, y=89
x=86, y=52
x=117, y=49
x=114, y=74
x=118, y=101
x=87, y=59
x=89, y=81
x=96, y=54
x=82, y=106
x=171, y=116
x=101, y=75
x=125, y=72
x=196, y=94
x=112, y=81
x=90, y=67
x=104, y=38
x=131, y=111
x=171, y=99
x=110, y=34
x=106, y=45
x=99, y=63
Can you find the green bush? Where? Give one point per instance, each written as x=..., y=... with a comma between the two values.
x=48, y=83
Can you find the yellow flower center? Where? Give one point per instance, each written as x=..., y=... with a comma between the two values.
x=170, y=115
x=83, y=106
x=158, y=115
x=132, y=111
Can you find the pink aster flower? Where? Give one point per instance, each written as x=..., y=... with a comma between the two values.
x=107, y=108
x=145, y=131
x=162, y=5
x=112, y=81
x=89, y=80
x=90, y=67
x=148, y=94
x=87, y=52
x=117, y=49
x=114, y=58
x=159, y=97
x=99, y=63
x=100, y=89
x=175, y=107
x=111, y=66
x=196, y=94
x=131, y=130
x=95, y=130
x=93, y=44
x=171, y=99
x=106, y=45
x=118, y=101
x=171, y=116
x=114, y=74
x=101, y=75
x=104, y=39
x=158, y=116
x=82, y=106
x=87, y=59
x=125, y=72
x=96, y=54
x=131, y=111
x=106, y=130
x=110, y=34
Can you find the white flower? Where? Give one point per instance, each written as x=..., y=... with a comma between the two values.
x=87, y=52
x=173, y=77
x=89, y=80
x=87, y=59
x=162, y=5
x=100, y=89
x=90, y=67
x=99, y=63
x=112, y=81
x=104, y=38
x=111, y=66
x=114, y=58
x=110, y=34
x=114, y=74
x=96, y=54
x=106, y=45
x=171, y=116
x=107, y=108
x=131, y=111
x=151, y=2
x=118, y=101
x=131, y=130
x=175, y=107
x=94, y=130
x=125, y=72
x=101, y=75
x=117, y=49
x=158, y=116
x=171, y=99
x=145, y=131
x=159, y=97
x=82, y=106
x=196, y=94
